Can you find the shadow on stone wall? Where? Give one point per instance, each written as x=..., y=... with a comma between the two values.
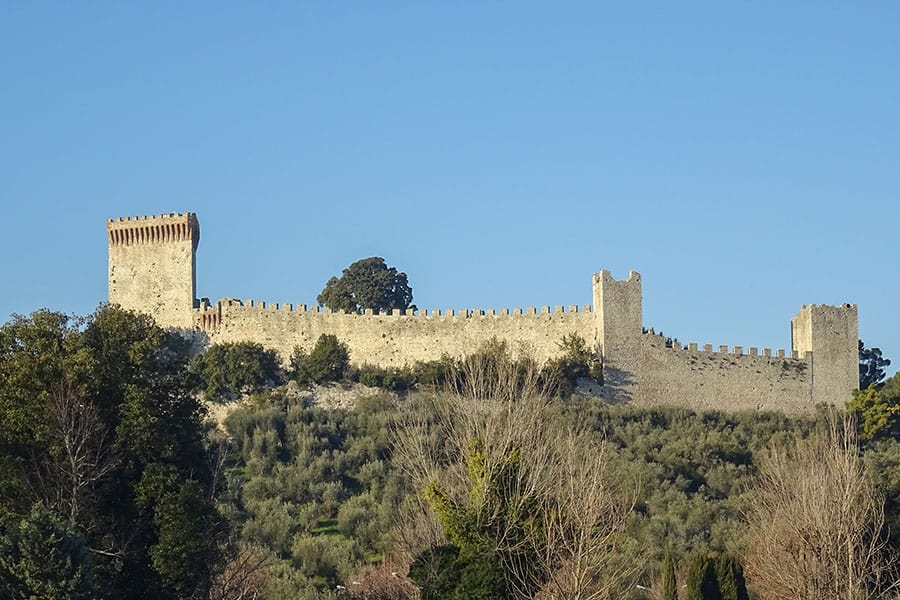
x=618, y=385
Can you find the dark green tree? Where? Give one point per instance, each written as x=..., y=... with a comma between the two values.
x=134, y=378
x=701, y=580
x=730, y=578
x=328, y=361
x=182, y=549
x=44, y=557
x=436, y=572
x=228, y=370
x=367, y=283
x=871, y=366
x=669, y=584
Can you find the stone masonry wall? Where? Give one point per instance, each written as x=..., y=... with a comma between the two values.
x=723, y=380
x=830, y=333
x=152, y=269
x=398, y=339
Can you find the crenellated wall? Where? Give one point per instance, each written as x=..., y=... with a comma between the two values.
x=152, y=269
x=395, y=339
x=723, y=379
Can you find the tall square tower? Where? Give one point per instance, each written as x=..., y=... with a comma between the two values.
x=152, y=266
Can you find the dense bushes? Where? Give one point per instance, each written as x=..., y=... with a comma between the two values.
x=314, y=487
x=328, y=361
x=228, y=370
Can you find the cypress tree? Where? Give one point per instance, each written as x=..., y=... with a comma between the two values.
x=730, y=577
x=701, y=581
x=669, y=584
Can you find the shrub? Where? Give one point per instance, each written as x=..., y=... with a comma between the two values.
x=328, y=361
x=327, y=560
x=395, y=380
x=434, y=373
x=231, y=369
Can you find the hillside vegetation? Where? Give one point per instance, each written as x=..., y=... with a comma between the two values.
x=481, y=477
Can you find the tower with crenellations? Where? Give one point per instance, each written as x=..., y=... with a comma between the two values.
x=152, y=266
x=152, y=269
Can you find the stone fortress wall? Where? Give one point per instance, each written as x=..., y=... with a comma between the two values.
x=152, y=269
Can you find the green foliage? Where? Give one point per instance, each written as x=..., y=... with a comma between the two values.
x=715, y=577
x=481, y=578
x=436, y=571
x=314, y=486
x=134, y=376
x=182, y=549
x=361, y=518
x=730, y=578
x=36, y=354
x=328, y=361
x=577, y=361
x=442, y=573
x=367, y=283
x=669, y=584
x=701, y=580
x=44, y=557
x=435, y=373
x=883, y=457
x=327, y=560
x=395, y=380
x=228, y=370
x=890, y=389
x=871, y=366
x=876, y=417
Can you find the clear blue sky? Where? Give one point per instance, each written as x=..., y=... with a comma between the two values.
x=743, y=157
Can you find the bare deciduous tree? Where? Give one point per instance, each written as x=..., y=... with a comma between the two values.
x=815, y=522
x=81, y=453
x=243, y=575
x=553, y=479
x=384, y=581
x=584, y=515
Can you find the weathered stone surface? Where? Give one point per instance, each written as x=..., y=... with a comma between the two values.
x=152, y=269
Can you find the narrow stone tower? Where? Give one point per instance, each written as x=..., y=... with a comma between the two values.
x=152, y=267
x=831, y=334
x=618, y=315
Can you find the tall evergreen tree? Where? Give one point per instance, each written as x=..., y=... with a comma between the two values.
x=701, y=580
x=730, y=577
x=669, y=584
x=44, y=557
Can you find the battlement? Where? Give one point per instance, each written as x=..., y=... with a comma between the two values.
x=153, y=229
x=829, y=309
x=152, y=265
x=208, y=317
x=607, y=276
x=655, y=340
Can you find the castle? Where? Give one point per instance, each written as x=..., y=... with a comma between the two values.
x=152, y=269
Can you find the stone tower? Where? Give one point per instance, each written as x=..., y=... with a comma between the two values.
x=619, y=327
x=152, y=266
x=831, y=334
